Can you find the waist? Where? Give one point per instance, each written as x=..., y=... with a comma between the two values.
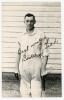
x=32, y=56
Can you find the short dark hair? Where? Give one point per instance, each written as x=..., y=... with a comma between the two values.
x=29, y=15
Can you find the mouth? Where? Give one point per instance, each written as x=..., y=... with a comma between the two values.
x=29, y=26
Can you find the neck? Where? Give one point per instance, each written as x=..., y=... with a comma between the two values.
x=30, y=31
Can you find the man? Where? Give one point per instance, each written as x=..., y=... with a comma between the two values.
x=32, y=58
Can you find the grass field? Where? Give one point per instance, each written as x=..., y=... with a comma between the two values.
x=10, y=86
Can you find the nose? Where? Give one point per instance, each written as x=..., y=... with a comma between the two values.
x=29, y=23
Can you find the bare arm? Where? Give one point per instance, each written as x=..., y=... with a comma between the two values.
x=44, y=56
x=18, y=62
x=18, y=57
x=44, y=63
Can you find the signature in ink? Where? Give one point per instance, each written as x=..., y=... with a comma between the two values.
x=41, y=40
x=47, y=44
x=40, y=54
x=32, y=56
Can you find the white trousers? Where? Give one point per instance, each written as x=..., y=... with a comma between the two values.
x=32, y=89
x=30, y=83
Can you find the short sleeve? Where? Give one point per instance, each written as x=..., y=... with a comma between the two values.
x=18, y=45
x=44, y=49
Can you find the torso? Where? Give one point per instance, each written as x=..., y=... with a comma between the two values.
x=31, y=58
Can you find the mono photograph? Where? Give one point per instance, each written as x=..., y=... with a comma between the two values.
x=31, y=46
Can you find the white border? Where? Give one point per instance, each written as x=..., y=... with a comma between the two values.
x=30, y=0
x=0, y=53
x=62, y=36
x=62, y=44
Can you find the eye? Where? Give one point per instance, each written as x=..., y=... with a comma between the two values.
x=27, y=20
x=31, y=21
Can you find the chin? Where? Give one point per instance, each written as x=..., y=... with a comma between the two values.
x=31, y=28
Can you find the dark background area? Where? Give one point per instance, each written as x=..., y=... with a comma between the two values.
x=10, y=85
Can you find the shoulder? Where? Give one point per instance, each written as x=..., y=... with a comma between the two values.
x=39, y=32
x=19, y=36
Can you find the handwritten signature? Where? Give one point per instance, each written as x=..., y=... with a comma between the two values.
x=40, y=41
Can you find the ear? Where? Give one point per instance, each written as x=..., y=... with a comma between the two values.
x=35, y=22
x=24, y=20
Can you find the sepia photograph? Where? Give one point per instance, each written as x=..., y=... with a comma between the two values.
x=31, y=46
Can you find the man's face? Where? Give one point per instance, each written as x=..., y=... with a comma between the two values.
x=29, y=21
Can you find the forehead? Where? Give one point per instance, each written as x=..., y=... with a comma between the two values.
x=29, y=18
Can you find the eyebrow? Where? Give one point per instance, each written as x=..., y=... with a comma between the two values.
x=29, y=20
